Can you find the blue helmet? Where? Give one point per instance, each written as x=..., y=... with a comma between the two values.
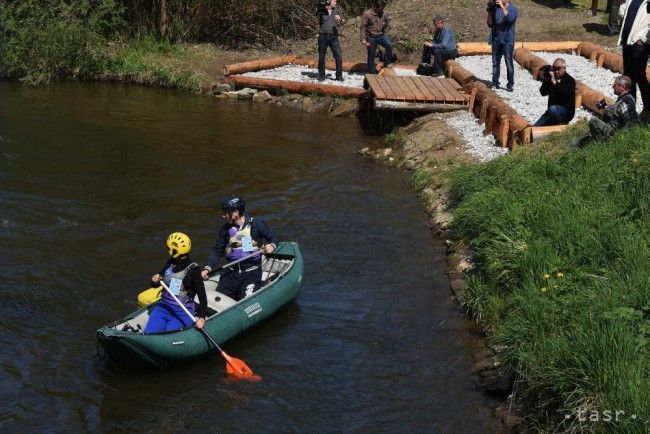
x=233, y=203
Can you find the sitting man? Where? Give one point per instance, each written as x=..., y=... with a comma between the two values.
x=239, y=237
x=561, y=90
x=615, y=116
x=442, y=48
x=374, y=25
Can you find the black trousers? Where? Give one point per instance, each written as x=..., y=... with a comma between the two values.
x=436, y=57
x=234, y=283
x=328, y=40
x=635, y=61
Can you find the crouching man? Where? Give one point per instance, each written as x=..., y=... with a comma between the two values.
x=443, y=47
x=561, y=90
x=615, y=116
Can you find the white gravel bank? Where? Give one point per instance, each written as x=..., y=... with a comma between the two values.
x=305, y=74
x=478, y=145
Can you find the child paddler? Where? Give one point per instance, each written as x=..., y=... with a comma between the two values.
x=183, y=277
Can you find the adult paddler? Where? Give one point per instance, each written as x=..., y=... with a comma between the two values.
x=240, y=236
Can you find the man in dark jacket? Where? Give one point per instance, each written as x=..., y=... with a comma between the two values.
x=561, y=90
x=239, y=237
x=442, y=48
x=374, y=25
x=328, y=36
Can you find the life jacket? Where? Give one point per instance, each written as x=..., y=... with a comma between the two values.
x=174, y=282
x=240, y=243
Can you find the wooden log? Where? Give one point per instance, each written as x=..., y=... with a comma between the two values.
x=357, y=67
x=542, y=131
x=473, y=48
x=555, y=46
x=591, y=97
x=298, y=87
x=458, y=73
x=529, y=61
x=491, y=124
x=387, y=72
x=257, y=65
x=590, y=50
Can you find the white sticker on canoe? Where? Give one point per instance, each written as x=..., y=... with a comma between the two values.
x=253, y=309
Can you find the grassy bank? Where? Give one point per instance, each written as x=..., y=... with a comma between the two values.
x=561, y=241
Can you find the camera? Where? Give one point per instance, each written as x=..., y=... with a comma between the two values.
x=491, y=6
x=601, y=104
x=321, y=7
x=543, y=72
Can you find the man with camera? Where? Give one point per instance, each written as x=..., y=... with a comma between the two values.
x=442, y=48
x=615, y=116
x=502, y=16
x=561, y=90
x=329, y=17
x=374, y=25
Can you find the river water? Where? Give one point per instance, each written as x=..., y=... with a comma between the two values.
x=93, y=177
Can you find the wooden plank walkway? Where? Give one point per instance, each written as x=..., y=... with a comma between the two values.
x=416, y=92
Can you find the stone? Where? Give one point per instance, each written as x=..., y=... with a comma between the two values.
x=262, y=96
x=293, y=96
x=322, y=106
x=245, y=93
x=221, y=96
x=307, y=104
x=296, y=104
x=364, y=151
x=221, y=88
x=347, y=108
x=496, y=383
x=386, y=152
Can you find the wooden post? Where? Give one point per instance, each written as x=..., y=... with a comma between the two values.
x=472, y=99
x=505, y=128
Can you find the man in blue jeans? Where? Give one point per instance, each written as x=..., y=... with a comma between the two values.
x=328, y=36
x=374, y=24
x=502, y=16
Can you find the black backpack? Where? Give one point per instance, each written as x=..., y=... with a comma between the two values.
x=424, y=69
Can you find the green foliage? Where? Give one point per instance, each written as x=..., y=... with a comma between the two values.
x=420, y=179
x=410, y=45
x=46, y=39
x=561, y=240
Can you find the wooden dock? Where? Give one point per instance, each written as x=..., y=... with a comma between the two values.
x=419, y=93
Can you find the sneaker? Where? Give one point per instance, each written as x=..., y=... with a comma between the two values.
x=339, y=79
x=509, y=88
x=390, y=65
x=493, y=85
x=321, y=78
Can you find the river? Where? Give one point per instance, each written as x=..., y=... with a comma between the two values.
x=93, y=177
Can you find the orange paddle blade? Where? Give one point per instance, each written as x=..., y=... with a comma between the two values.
x=237, y=368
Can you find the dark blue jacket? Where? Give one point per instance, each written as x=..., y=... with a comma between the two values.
x=260, y=233
x=503, y=31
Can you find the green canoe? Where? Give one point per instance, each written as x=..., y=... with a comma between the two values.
x=125, y=343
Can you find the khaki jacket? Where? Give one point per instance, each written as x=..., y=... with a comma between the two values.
x=373, y=25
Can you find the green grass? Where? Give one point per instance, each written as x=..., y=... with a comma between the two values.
x=561, y=240
x=155, y=62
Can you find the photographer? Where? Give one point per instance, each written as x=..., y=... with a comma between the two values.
x=502, y=16
x=329, y=17
x=616, y=116
x=374, y=24
x=561, y=90
x=442, y=48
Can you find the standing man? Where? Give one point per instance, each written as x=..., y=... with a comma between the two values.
x=239, y=237
x=561, y=90
x=374, y=24
x=329, y=19
x=502, y=16
x=442, y=48
x=636, y=49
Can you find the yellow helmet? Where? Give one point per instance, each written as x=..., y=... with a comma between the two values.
x=178, y=244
